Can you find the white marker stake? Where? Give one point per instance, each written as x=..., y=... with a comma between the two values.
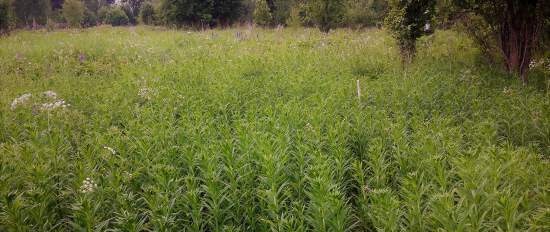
x=358, y=90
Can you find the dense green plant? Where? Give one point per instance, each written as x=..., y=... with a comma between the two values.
x=147, y=14
x=326, y=14
x=73, y=12
x=117, y=17
x=111, y=129
x=407, y=21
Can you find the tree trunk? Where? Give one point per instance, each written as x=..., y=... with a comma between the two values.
x=518, y=36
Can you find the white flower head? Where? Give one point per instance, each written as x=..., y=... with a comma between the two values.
x=110, y=149
x=20, y=100
x=50, y=94
x=145, y=93
x=54, y=105
x=88, y=185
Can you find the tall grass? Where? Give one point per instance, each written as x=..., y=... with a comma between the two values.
x=263, y=131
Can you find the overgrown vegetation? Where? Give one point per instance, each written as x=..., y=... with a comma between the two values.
x=140, y=129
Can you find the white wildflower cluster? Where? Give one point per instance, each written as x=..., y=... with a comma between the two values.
x=309, y=127
x=50, y=94
x=507, y=91
x=110, y=149
x=57, y=103
x=21, y=100
x=145, y=93
x=544, y=63
x=52, y=102
x=54, y=105
x=88, y=185
x=532, y=64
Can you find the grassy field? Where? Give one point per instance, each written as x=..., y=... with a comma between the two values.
x=262, y=130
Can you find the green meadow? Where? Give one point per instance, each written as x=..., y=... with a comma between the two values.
x=248, y=129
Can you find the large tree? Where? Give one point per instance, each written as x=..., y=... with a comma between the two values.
x=514, y=26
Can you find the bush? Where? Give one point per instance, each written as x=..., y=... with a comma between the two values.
x=117, y=17
x=127, y=9
x=89, y=20
x=6, y=16
x=406, y=21
x=147, y=14
x=363, y=13
x=326, y=14
x=262, y=16
x=102, y=14
x=73, y=12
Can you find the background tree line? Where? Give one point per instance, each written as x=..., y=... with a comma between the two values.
x=510, y=32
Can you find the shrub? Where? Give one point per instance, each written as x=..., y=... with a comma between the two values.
x=326, y=14
x=147, y=14
x=73, y=12
x=129, y=13
x=90, y=19
x=262, y=15
x=117, y=17
x=102, y=14
x=295, y=19
x=362, y=13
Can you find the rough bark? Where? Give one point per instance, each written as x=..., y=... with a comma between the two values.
x=518, y=36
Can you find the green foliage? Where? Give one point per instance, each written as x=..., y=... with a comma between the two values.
x=147, y=15
x=262, y=15
x=295, y=18
x=281, y=11
x=102, y=14
x=265, y=134
x=326, y=14
x=116, y=17
x=6, y=16
x=89, y=19
x=364, y=13
x=31, y=11
x=201, y=13
x=92, y=5
x=187, y=12
x=226, y=12
x=406, y=21
x=73, y=12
